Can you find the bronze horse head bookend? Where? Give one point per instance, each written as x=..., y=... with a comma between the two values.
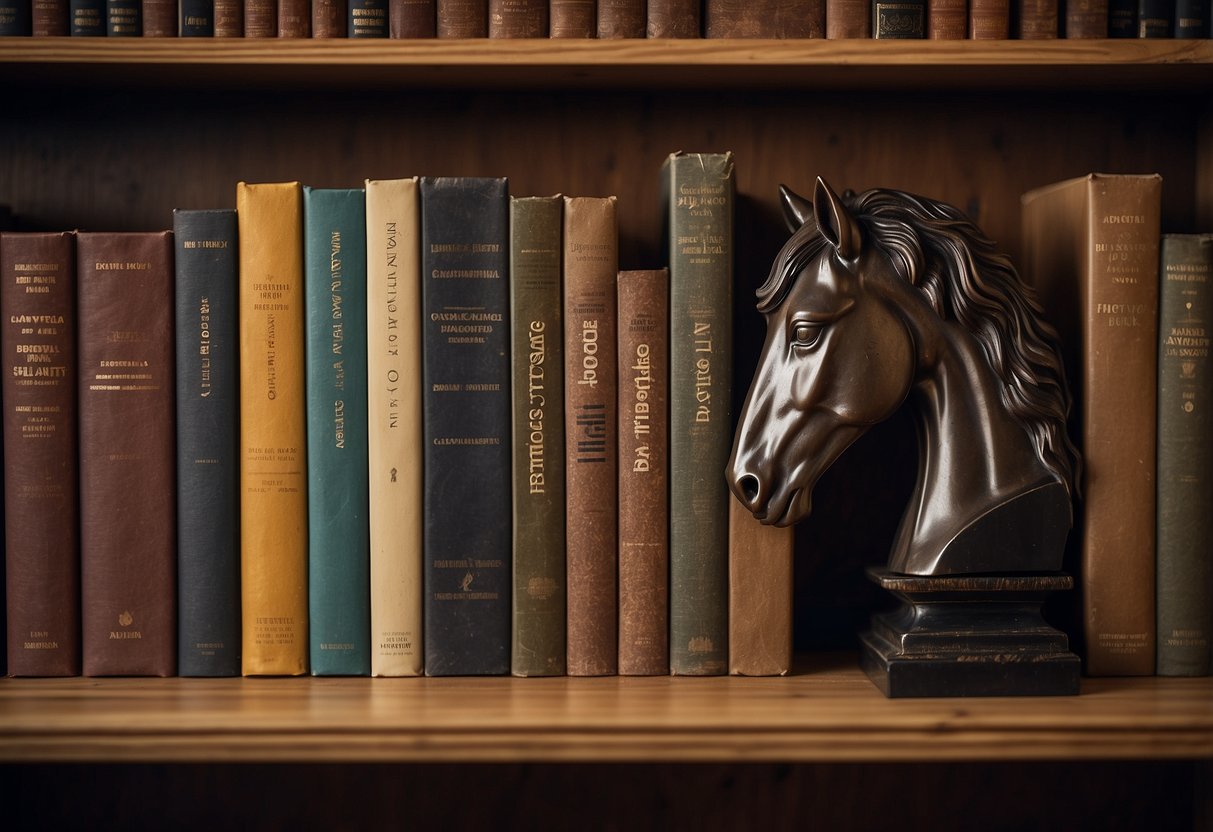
x=881, y=298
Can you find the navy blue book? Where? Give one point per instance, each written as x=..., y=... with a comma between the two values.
x=208, y=462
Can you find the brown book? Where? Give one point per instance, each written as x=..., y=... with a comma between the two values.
x=261, y=18
x=50, y=18
x=38, y=307
x=621, y=19
x=1036, y=20
x=1091, y=248
x=764, y=18
x=644, y=547
x=573, y=18
x=673, y=19
x=229, y=18
x=989, y=19
x=760, y=595
x=1086, y=18
x=128, y=534
x=947, y=19
x=518, y=18
x=328, y=19
x=412, y=18
x=848, y=19
x=159, y=18
x=591, y=265
x=294, y=19
x=463, y=18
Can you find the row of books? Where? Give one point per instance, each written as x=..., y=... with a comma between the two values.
x=940, y=19
x=398, y=444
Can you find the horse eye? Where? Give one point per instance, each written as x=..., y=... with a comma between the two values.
x=805, y=334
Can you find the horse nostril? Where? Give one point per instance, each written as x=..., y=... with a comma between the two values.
x=749, y=487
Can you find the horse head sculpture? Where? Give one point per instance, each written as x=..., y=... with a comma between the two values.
x=882, y=297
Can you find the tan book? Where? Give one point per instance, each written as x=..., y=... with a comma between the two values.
x=1091, y=249
x=760, y=595
x=273, y=450
x=393, y=247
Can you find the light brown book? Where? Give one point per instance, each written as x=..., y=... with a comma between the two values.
x=229, y=18
x=463, y=18
x=760, y=595
x=644, y=543
x=1091, y=249
x=573, y=18
x=989, y=19
x=591, y=264
x=412, y=18
x=1036, y=20
x=273, y=449
x=518, y=18
x=673, y=19
x=260, y=18
x=764, y=18
x=621, y=19
x=294, y=19
x=848, y=19
x=947, y=19
x=329, y=19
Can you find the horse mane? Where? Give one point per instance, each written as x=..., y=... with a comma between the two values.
x=940, y=251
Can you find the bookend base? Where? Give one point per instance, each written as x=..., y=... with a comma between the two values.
x=969, y=635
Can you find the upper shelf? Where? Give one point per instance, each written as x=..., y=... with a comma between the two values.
x=926, y=65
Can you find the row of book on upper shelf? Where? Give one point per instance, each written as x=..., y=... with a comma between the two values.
x=939, y=19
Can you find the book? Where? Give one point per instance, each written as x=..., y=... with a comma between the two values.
x=1156, y=18
x=537, y=388
x=368, y=19
x=41, y=493
x=412, y=18
x=899, y=19
x=621, y=19
x=764, y=19
x=128, y=535
x=1036, y=19
x=591, y=265
x=947, y=19
x=329, y=19
x=50, y=18
x=672, y=19
x=518, y=18
x=294, y=19
x=159, y=18
x=989, y=19
x=335, y=350
x=1122, y=18
x=15, y=19
x=644, y=531
x=848, y=19
x=1185, y=456
x=572, y=18
x=261, y=18
x=273, y=449
x=197, y=18
x=1086, y=19
x=124, y=18
x=760, y=595
x=394, y=432
x=698, y=189
x=466, y=394
x=229, y=18
x=87, y=18
x=206, y=263
x=1091, y=249
x=1191, y=19
x=462, y=18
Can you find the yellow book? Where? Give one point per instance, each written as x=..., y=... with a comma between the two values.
x=273, y=449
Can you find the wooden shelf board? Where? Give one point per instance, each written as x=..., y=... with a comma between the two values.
x=538, y=64
x=828, y=713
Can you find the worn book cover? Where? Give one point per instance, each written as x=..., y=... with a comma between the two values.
x=518, y=18
x=760, y=595
x=672, y=19
x=765, y=18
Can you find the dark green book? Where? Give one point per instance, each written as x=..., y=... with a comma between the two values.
x=698, y=190
x=1156, y=18
x=124, y=18
x=899, y=19
x=1191, y=19
x=14, y=21
x=334, y=263
x=1185, y=456
x=87, y=18
x=537, y=362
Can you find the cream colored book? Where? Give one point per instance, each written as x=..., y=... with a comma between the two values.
x=393, y=235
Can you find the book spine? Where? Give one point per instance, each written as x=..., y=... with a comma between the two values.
x=699, y=204
x=334, y=274
x=124, y=18
x=767, y=19
x=208, y=499
x=1156, y=18
x=1086, y=19
x=1122, y=18
x=644, y=552
x=229, y=18
x=128, y=555
x=518, y=18
x=50, y=18
x=537, y=360
x=260, y=18
x=329, y=19
x=197, y=18
x=760, y=595
x=413, y=18
x=899, y=19
x=294, y=19
x=42, y=543
x=989, y=19
x=1036, y=20
x=573, y=18
x=1191, y=19
x=1185, y=456
x=466, y=378
x=368, y=19
x=463, y=18
x=273, y=451
x=591, y=265
x=672, y=19
x=947, y=19
x=15, y=18
x=848, y=19
x=88, y=18
x=393, y=237
x=621, y=19
x=159, y=18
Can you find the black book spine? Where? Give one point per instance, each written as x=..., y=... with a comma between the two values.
x=197, y=18
x=1191, y=18
x=899, y=19
x=1155, y=18
x=368, y=19
x=15, y=21
x=208, y=509
x=88, y=18
x=466, y=393
x=124, y=18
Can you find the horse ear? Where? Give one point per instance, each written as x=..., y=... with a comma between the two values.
x=796, y=209
x=835, y=222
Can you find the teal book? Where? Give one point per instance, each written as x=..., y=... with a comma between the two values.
x=334, y=262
